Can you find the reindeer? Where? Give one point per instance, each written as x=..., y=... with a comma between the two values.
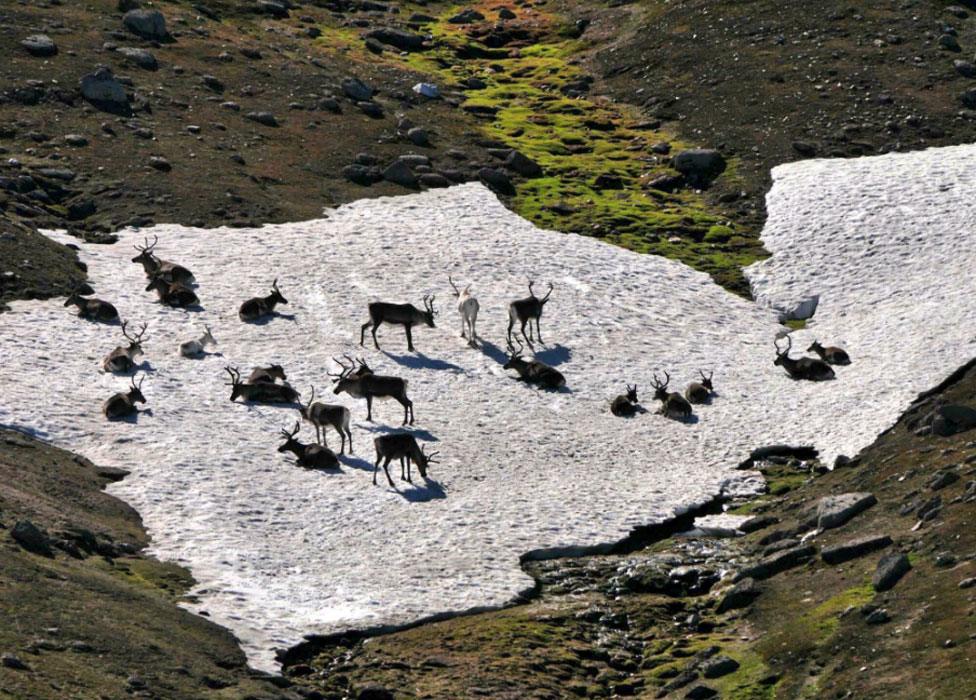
x=468, y=307
x=122, y=358
x=267, y=375
x=700, y=392
x=93, y=309
x=259, y=307
x=626, y=405
x=173, y=294
x=195, y=348
x=262, y=392
x=406, y=315
x=525, y=311
x=323, y=414
x=124, y=403
x=807, y=368
x=169, y=271
x=308, y=456
x=402, y=446
x=672, y=404
x=533, y=371
x=361, y=383
x=831, y=355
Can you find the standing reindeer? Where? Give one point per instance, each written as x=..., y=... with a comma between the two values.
x=468, y=307
x=673, y=404
x=406, y=315
x=533, y=371
x=169, y=271
x=93, y=309
x=700, y=392
x=174, y=294
x=807, y=368
x=831, y=355
x=361, y=383
x=124, y=403
x=262, y=392
x=402, y=446
x=626, y=405
x=259, y=307
x=525, y=311
x=322, y=414
x=267, y=375
x=308, y=456
x=122, y=359
x=195, y=348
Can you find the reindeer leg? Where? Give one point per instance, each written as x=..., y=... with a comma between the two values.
x=376, y=467
x=511, y=322
x=409, y=337
x=528, y=339
x=349, y=433
x=375, y=342
x=407, y=406
x=369, y=408
x=342, y=448
x=538, y=331
x=362, y=332
x=386, y=465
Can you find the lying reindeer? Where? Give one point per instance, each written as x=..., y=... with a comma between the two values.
x=402, y=446
x=262, y=392
x=831, y=355
x=195, y=348
x=406, y=315
x=807, y=368
x=259, y=307
x=267, y=375
x=361, y=383
x=626, y=405
x=172, y=294
x=308, y=456
x=93, y=309
x=673, y=404
x=534, y=371
x=468, y=307
x=124, y=403
x=122, y=359
x=527, y=310
x=322, y=414
x=169, y=271
x=701, y=392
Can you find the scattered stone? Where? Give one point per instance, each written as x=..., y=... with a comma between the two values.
x=264, y=118
x=506, y=13
x=523, y=165
x=757, y=522
x=606, y=181
x=212, y=82
x=662, y=148
x=949, y=43
x=699, y=165
x=13, y=662
x=701, y=692
x=878, y=617
x=965, y=68
x=40, y=45
x=76, y=140
x=360, y=174
x=834, y=511
x=356, y=90
x=374, y=46
x=400, y=173
x=957, y=11
x=375, y=692
x=272, y=8
x=414, y=160
x=160, y=163
x=807, y=150
x=739, y=596
x=968, y=100
x=778, y=562
x=667, y=183
x=147, y=24
x=371, y=109
x=890, y=570
x=81, y=209
x=428, y=90
x=126, y=5
x=467, y=16
x=941, y=479
x=139, y=57
x=418, y=136
x=497, y=181
x=32, y=538
x=405, y=41
x=968, y=582
x=434, y=180
x=248, y=52
x=232, y=106
x=839, y=553
x=719, y=666
x=103, y=90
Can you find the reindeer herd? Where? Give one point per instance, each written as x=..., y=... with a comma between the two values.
x=174, y=285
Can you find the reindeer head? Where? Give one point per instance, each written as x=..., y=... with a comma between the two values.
x=429, y=312
x=156, y=282
x=347, y=375
x=782, y=355
x=135, y=343
x=661, y=388
x=74, y=298
x=707, y=381
x=290, y=442
x=208, y=336
x=632, y=393
x=515, y=354
x=276, y=371
x=145, y=255
x=135, y=391
x=276, y=293
x=544, y=299
x=237, y=386
x=816, y=347
x=424, y=460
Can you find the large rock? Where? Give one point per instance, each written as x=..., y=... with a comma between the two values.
x=839, y=553
x=139, y=57
x=834, y=511
x=523, y=165
x=356, y=90
x=103, y=90
x=497, y=181
x=719, y=666
x=965, y=68
x=39, y=45
x=699, y=165
x=32, y=538
x=739, y=596
x=400, y=173
x=890, y=570
x=968, y=98
x=405, y=41
x=953, y=418
x=265, y=118
x=780, y=561
x=148, y=24
x=466, y=17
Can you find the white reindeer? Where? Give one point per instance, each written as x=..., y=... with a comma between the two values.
x=195, y=348
x=468, y=308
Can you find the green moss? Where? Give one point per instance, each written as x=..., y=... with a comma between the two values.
x=796, y=324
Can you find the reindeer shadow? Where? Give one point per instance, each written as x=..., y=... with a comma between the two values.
x=265, y=320
x=133, y=417
x=555, y=355
x=431, y=490
x=202, y=356
x=494, y=352
x=356, y=462
x=416, y=432
x=690, y=419
x=421, y=361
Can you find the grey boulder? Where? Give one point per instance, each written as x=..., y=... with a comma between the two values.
x=148, y=24
x=39, y=45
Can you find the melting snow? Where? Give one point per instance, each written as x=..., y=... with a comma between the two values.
x=280, y=552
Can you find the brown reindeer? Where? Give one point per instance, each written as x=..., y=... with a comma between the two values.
x=673, y=404
x=169, y=271
x=701, y=392
x=322, y=414
x=527, y=310
x=361, y=383
x=122, y=359
x=259, y=307
x=308, y=456
x=533, y=371
x=831, y=355
x=262, y=392
x=173, y=294
x=402, y=446
x=267, y=374
x=807, y=368
x=124, y=403
x=406, y=315
x=626, y=405
x=92, y=309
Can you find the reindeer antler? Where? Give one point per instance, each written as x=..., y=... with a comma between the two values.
x=138, y=337
x=546, y=297
x=789, y=345
x=531, y=282
x=512, y=349
x=274, y=285
x=235, y=375
x=346, y=369
x=454, y=286
x=138, y=387
x=311, y=398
